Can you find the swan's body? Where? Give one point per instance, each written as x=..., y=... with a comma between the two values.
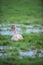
x=16, y=36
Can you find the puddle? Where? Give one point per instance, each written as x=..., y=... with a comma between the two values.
x=7, y=47
x=34, y=30
x=20, y=31
x=30, y=53
x=6, y=29
x=1, y=47
x=6, y=33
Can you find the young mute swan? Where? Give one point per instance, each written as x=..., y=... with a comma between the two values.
x=16, y=36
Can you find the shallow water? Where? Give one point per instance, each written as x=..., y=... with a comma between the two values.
x=30, y=53
x=6, y=29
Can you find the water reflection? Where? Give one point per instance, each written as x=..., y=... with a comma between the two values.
x=6, y=29
x=30, y=53
x=34, y=30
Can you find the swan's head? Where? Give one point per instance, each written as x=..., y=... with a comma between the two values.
x=13, y=27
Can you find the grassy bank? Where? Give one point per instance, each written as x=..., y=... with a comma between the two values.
x=21, y=11
x=24, y=61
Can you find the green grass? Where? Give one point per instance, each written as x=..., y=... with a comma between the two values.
x=31, y=40
x=21, y=11
x=25, y=61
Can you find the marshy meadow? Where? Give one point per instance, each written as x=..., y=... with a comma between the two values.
x=27, y=16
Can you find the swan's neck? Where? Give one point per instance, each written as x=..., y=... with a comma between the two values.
x=15, y=32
